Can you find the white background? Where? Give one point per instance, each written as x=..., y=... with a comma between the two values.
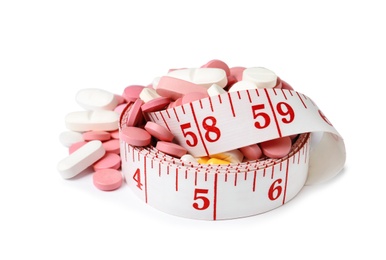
x=332, y=51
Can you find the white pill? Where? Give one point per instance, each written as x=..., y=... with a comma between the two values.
x=67, y=138
x=189, y=159
x=155, y=82
x=262, y=77
x=233, y=156
x=82, y=158
x=205, y=77
x=242, y=85
x=95, y=99
x=215, y=90
x=97, y=120
x=148, y=94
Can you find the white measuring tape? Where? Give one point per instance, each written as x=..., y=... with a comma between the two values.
x=226, y=122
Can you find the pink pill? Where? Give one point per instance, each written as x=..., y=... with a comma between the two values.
x=217, y=64
x=278, y=83
x=131, y=93
x=277, y=148
x=134, y=116
x=171, y=148
x=237, y=72
x=135, y=136
x=158, y=131
x=175, y=88
x=107, y=179
x=108, y=161
x=251, y=152
x=285, y=85
x=96, y=135
x=120, y=108
x=120, y=99
x=115, y=134
x=76, y=146
x=112, y=146
x=156, y=104
x=231, y=80
x=193, y=96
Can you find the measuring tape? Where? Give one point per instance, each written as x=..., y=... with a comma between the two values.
x=225, y=122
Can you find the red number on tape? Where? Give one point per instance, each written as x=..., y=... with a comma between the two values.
x=137, y=178
x=205, y=201
x=193, y=142
x=266, y=120
x=284, y=109
x=275, y=190
x=211, y=128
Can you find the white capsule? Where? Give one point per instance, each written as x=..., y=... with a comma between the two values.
x=96, y=99
x=262, y=77
x=80, y=159
x=205, y=77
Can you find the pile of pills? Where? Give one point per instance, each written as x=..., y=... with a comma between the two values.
x=93, y=138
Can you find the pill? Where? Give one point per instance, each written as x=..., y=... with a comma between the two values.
x=193, y=96
x=204, y=77
x=171, y=148
x=278, y=83
x=108, y=161
x=120, y=108
x=242, y=85
x=79, y=160
x=216, y=161
x=155, y=104
x=158, y=131
x=285, y=85
x=76, y=146
x=276, y=148
x=96, y=135
x=148, y=94
x=215, y=90
x=231, y=80
x=67, y=138
x=251, y=152
x=120, y=99
x=134, y=116
x=115, y=134
x=237, y=72
x=112, y=146
x=95, y=99
x=135, y=136
x=233, y=156
x=187, y=158
x=103, y=120
x=107, y=179
x=175, y=88
x=217, y=64
x=262, y=77
x=203, y=160
x=131, y=93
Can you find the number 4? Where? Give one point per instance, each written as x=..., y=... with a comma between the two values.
x=137, y=178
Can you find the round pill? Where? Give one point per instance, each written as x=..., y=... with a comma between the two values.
x=156, y=104
x=108, y=161
x=251, y=152
x=115, y=134
x=158, y=131
x=96, y=135
x=218, y=64
x=107, y=179
x=262, y=77
x=285, y=85
x=171, y=148
x=112, y=146
x=237, y=72
x=135, y=136
x=135, y=114
x=277, y=148
x=131, y=93
x=193, y=96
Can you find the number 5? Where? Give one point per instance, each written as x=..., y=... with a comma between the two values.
x=205, y=200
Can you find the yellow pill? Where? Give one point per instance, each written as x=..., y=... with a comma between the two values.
x=203, y=160
x=217, y=161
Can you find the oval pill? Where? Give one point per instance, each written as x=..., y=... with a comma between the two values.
x=81, y=121
x=79, y=160
x=131, y=93
x=108, y=161
x=135, y=136
x=175, y=88
x=276, y=148
x=112, y=146
x=171, y=148
x=251, y=152
x=96, y=135
x=107, y=179
x=217, y=64
x=158, y=131
x=155, y=104
x=135, y=113
x=94, y=99
x=204, y=77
